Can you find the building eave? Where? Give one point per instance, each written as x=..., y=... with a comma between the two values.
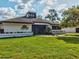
x=16, y=22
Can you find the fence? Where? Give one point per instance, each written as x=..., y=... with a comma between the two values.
x=7, y=34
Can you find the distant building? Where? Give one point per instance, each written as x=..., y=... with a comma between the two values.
x=71, y=30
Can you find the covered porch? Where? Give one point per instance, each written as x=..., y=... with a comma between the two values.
x=41, y=28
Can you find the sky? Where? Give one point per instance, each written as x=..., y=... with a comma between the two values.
x=18, y=8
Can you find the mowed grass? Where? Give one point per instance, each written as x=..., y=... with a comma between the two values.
x=40, y=48
x=71, y=34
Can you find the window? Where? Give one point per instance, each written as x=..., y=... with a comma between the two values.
x=1, y=30
x=24, y=27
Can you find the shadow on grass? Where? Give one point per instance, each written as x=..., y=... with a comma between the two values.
x=74, y=40
x=76, y=35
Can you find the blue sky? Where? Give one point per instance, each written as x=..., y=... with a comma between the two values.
x=15, y=8
x=6, y=3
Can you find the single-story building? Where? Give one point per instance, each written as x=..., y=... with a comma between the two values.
x=71, y=30
x=25, y=26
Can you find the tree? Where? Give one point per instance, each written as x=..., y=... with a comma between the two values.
x=70, y=17
x=52, y=15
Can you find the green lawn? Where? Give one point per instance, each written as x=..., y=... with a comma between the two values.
x=71, y=34
x=40, y=48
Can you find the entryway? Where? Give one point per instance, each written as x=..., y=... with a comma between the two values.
x=39, y=29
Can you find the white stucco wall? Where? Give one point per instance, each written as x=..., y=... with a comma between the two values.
x=69, y=30
x=1, y=26
x=16, y=27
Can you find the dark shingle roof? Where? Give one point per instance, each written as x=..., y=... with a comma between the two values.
x=26, y=20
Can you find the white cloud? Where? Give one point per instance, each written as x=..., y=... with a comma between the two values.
x=48, y=2
x=48, y=5
x=45, y=11
x=22, y=8
x=25, y=5
x=16, y=1
x=62, y=7
x=7, y=12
